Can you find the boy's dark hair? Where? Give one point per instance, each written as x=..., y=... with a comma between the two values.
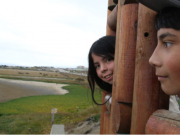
x=104, y=47
x=168, y=17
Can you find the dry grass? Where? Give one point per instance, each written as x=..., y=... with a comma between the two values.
x=30, y=73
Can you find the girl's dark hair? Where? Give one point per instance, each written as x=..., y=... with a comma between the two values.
x=168, y=17
x=104, y=47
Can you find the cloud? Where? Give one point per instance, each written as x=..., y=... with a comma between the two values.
x=50, y=32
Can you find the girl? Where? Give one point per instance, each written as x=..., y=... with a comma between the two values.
x=101, y=67
x=101, y=64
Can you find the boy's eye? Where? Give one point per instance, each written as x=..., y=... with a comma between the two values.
x=168, y=44
x=108, y=60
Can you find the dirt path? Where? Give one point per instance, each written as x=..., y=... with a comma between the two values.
x=12, y=89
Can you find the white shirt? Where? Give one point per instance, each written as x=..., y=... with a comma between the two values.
x=173, y=104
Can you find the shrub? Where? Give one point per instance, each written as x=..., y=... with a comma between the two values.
x=20, y=73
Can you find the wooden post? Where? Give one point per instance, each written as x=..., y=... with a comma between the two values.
x=147, y=96
x=112, y=19
x=103, y=110
x=109, y=31
x=126, y=60
x=116, y=65
x=106, y=122
x=163, y=122
x=125, y=40
x=121, y=117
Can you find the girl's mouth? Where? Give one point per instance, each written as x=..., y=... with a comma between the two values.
x=109, y=77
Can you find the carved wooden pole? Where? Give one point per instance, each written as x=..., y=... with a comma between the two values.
x=109, y=31
x=103, y=110
x=127, y=46
x=147, y=96
x=112, y=19
x=124, y=55
x=106, y=122
x=163, y=122
x=111, y=129
x=121, y=117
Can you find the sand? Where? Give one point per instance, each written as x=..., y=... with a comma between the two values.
x=12, y=89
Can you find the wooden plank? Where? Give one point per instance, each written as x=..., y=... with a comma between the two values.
x=163, y=122
x=147, y=96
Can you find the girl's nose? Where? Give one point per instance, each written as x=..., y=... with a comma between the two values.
x=155, y=60
x=103, y=67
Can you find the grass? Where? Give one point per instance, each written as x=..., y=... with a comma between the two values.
x=31, y=115
x=77, y=98
x=30, y=73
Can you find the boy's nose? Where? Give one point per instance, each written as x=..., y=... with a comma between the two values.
x=155, y=59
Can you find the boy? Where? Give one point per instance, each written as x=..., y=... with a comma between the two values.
x=166, y=56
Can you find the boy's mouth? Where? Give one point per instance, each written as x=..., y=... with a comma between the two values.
x=161, y=78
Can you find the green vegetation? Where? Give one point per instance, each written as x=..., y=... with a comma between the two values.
x=31, y=115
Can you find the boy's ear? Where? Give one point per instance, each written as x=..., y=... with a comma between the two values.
x=158, y=5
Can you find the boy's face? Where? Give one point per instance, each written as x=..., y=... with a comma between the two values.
x=166, y=60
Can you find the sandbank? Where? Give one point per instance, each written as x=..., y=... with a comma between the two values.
x=12, y=89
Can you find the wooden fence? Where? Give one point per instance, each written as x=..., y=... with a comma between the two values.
x=137, y=98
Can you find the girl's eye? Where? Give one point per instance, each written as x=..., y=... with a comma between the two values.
x=168, y=44
x=97, y=66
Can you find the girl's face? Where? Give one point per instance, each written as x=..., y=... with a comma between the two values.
x=104, y=68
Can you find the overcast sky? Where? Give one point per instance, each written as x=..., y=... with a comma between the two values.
x=55, y=33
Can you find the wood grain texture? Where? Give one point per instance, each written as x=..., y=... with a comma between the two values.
x=103, y=110
x=147, y=96
x=121, y=113
x=106, y=122
x=127, y=49
x=112, y=19
x=109, y=31
x=163, y=122
x=111, y=130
